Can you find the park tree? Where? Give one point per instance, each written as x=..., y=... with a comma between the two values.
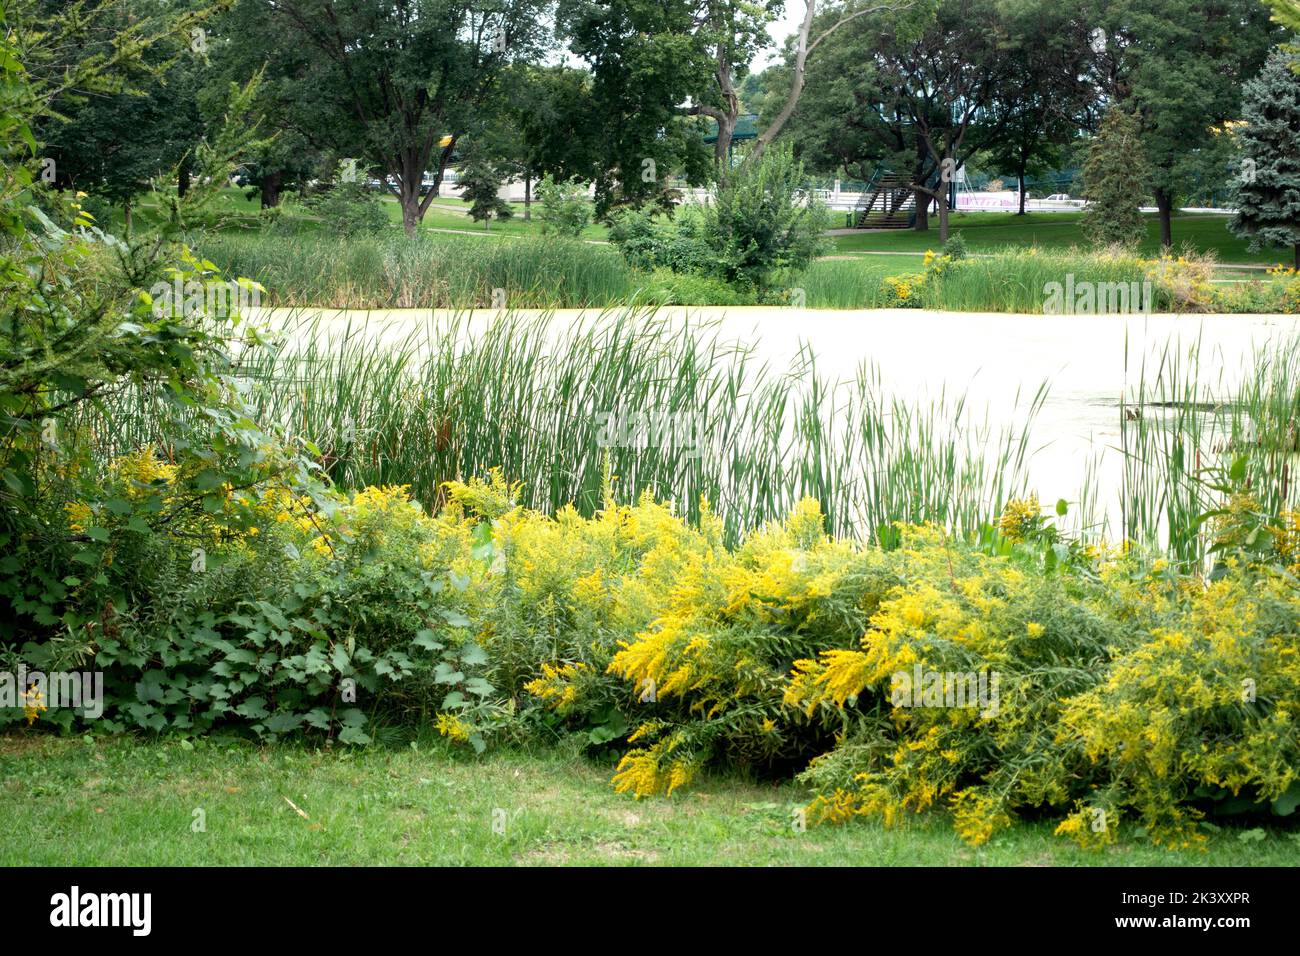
x=820, y=22
x=241, y=44
x=647, y=60
x=908, y=92
x=144, y=123
x=545, y=124
x=1114, y=181
x=397, y=83
x=480, y=179
x=1268, y=185
x=1049, y=94
x=732, y=31
x=1179, y=67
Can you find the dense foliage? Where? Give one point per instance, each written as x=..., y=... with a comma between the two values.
x=1268, y=183
x=1114, y=177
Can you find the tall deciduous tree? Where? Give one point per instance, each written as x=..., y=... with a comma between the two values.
x=113, y=140
x=818, y=24
x=397, y=82
x=1049, y=93
x=909, y=92
x=1268, y=186
x=547, y=124
x=648, y=60
x=1179, y=66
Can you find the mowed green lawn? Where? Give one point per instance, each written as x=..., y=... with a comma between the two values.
x=126, y=802
x=988, y=231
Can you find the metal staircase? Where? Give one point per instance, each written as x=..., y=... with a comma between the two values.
x=886, y=203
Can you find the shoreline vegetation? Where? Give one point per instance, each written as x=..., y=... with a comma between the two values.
x=434, y=271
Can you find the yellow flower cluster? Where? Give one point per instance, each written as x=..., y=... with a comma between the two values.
x=142, y=471
x=80, y=516
x=557, y=687
x=453, y=728
x=903, y=289
x=33, y=704
x=1020, y=518
x=649, y=771
x=977, y=815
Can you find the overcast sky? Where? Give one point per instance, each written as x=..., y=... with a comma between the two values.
x=778, y=30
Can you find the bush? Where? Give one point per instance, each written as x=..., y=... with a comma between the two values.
x=955, y=247
x=797, y=647
x=677, y=244
x=665, y=287
x=566, y=211
x=348, y=206
x=762, y=222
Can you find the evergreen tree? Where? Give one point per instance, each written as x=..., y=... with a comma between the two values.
x=1114, y=182
x=1268, y=185
x=480, y=181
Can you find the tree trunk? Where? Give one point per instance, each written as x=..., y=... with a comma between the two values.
x=183, y=180
x=409, y=170
x=942, y=199
x=126, y=215
x=271, y=183
x=1020, y=179
x=922, y=211
x=726, y=130
x=528, y=197
x=409, y=180
x=1165, y=204
x=726, y=118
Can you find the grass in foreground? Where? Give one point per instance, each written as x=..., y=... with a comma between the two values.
x=125, y=802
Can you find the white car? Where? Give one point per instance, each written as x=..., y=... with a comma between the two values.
x=1059, y=197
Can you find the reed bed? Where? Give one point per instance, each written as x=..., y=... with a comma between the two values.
x=1181, y=433
x=535, y=397
x=711, y=421
x=1017, y=280
x=394, y=271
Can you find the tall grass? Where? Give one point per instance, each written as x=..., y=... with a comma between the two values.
x=1017, y=280
x=529, y=395
x=1010, y=280
x=1181, y=433
x=395, y=271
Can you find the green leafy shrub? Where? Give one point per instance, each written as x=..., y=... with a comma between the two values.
x=665, y=287
x=762, y=222
x=348, y=205
x=566, y=210
x=649, y=243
